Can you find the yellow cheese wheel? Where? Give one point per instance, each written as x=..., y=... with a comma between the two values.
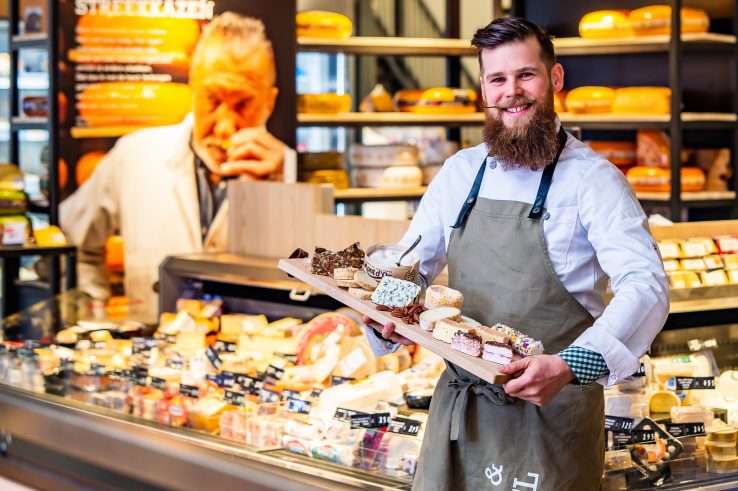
x=321, y=24
x=134, y=103
x=590, y=100
x=656, y=19
x=323, y=103
x=657, y=179
x=605, y=24
x=662, y=401
x=87, y=164
x=560, y=101
x=622, y=154
x=444, y=100
x=642, y=100
x=406, y=100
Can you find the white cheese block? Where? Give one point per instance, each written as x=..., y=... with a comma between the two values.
x=429, y=318
x=442, y=296
x=393, y=292
x=446, y=328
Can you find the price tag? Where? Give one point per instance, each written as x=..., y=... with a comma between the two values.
x=289, y=357
x=122, y=373
x=679, y=430
x=144, y=344
x=167, y=338
x=641, y=371
x=404, y=426
x=619, y=440
x=335, y=380
x=618, y=424
x=298, y=405
x=266, y=395
x=140, y=376
x=158, y=383
x=345, y=415
x=228, y=379
x=234, y=397
x=375, y=420
x=213, y=357
x=216, y=379
x=316, y=393
x=244, y=380
x=274, y=372
x=643, y=436
x=176, y=364
x=189, y=391
x=224, y=346
x=693, y=383
x=97, y=369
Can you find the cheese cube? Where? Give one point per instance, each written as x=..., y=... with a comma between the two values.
x=393, y=292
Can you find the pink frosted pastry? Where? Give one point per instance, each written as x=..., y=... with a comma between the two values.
x=497, y=352
x=467, y=342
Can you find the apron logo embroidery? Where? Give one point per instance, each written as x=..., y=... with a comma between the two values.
x=494, y=477
x=533, y=486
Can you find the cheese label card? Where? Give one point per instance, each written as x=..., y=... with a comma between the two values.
x=234, y=397
x=374, y=420
x=274, y=372
x=641, y=371
x=289, y=357
x=216, y=379
x=144, y=344
x=225, y=346
x=679, y=430
x=158, y=383
x=345, y=415
x=695, y=249
x=122, y=373
x=316, y=393
x=228, y=379
x=336, y=380
x=404, y=426
x=287, y=394
x=189, y=391
x=266, y=395
x=642, y=436
x=176, y=364
x=97, y=369
x=213, y=357
x=669, y=250
x=298, y=406
x=140, y=376
x=615, y=423
x=691, y=383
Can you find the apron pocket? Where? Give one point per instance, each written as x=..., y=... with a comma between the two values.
x=559, y=231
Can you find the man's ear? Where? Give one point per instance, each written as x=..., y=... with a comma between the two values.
x=557, y=77
x=272, y=100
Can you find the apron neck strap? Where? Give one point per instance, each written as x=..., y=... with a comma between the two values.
x=473, y=194
x=537, y=208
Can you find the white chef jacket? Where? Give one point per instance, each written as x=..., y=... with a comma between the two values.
x=594, y=228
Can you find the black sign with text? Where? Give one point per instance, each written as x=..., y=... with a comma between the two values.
x=404, y=426
x=189, y=391
x=694, y=383
x=298, y=406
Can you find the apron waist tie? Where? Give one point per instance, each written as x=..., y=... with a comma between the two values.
x=494, y=393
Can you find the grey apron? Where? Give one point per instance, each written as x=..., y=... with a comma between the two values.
x=478, y=437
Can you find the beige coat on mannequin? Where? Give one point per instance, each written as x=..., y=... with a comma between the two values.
x=145, y=190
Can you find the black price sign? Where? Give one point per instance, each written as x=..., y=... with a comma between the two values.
x=266, y=395
x=140, y=376
x=345, y=415
x=404, y=426
x=298, y=405
x=213, y=357
x=234, y=397
x=216, y=379
x=642, y=436
x=224, y=346
x=189, y=391
x=144, y=344
x=694, y=383
x=97, y=369
x=176, y=364
x=316, y=393
x=289, y=357
x=641, y=371
x=274, y=372
x=618, y=424
x=287, y=394
x=335, y=380
x=244, y=380
x=679, y=430
x=375, y=420
x=158, y=383
x=228, y=379
x=122, y=373
x=619, y=440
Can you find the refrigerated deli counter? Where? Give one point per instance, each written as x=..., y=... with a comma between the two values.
x=252, y=379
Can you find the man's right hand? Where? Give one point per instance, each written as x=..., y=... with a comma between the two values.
x=387, y=331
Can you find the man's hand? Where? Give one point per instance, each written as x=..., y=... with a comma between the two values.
x=253, y=151
x=538, y=378
x=387, y=331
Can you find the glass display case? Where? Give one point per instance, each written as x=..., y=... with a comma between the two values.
x=235, y=386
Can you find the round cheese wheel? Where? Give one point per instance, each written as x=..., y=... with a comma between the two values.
x=87, y=164
x=656, y=19
x=642, y=100
x=622, y=154
x=322, y=24
x=323, y=103
x=657, y=179
x=560, y=101
x=443, y=100
x=442, y=296
x=605, y=24
x=134, y=103
x=405, y=100
x=590, y=100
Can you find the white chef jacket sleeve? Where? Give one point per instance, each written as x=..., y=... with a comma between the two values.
x=88, y=217
x=618, y=231
x=427, y=222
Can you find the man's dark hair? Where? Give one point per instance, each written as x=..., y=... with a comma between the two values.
x=505, y=30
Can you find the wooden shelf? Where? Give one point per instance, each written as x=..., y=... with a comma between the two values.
x=692, y=196
x=29, y=123
x=378, y=194
x=405, y=46
x=581, y=120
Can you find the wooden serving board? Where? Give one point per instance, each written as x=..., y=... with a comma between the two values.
x=486, y=370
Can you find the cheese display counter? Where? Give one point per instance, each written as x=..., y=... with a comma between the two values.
x=252, y=378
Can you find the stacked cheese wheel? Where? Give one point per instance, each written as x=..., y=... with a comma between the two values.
x=646, y=21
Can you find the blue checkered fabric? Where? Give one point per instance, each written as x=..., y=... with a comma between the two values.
x=587, y=365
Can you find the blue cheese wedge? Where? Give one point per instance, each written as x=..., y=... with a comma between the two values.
x=393, y=292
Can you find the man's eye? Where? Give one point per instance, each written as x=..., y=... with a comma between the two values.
x=497, y=80
x=243, y=104
x=213, y=100
x=526, y=75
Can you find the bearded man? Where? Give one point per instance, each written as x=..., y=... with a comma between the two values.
x=532, y=224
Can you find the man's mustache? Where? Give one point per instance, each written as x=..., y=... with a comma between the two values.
x=520, y=101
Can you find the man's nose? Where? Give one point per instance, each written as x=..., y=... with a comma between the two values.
x=512, y=87
x=225, y=121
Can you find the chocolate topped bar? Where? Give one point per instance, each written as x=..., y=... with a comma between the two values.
x=324, y=261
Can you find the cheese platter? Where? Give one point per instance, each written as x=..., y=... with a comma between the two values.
x=486, y=370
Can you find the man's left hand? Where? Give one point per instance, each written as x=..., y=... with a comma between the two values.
x=538, y=378
x=253, y=151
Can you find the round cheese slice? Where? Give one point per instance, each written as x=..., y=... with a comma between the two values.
x=365, y=281
x=360, y=293
x=429, y=318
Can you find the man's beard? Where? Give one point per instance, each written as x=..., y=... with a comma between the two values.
x=530, y=144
